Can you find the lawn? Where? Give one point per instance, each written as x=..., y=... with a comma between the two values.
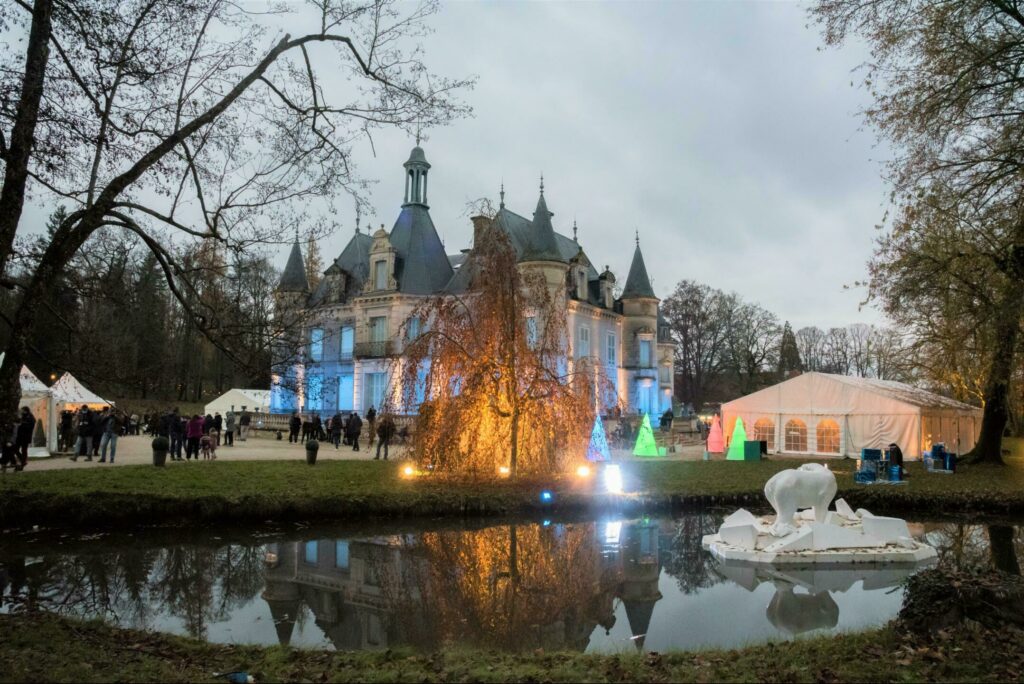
x=250, y=491
x=91, y=651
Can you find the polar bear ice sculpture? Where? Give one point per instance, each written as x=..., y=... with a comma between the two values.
x=812, y=485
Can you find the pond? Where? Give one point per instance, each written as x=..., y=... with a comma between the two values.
x=595, y=586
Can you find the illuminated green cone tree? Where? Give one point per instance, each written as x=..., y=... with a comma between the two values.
x=645, y=444
x=739, y=436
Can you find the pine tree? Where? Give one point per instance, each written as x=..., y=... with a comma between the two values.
x=314, y=263
x=789, y=354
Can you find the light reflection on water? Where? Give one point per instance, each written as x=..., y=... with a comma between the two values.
x=606, y=586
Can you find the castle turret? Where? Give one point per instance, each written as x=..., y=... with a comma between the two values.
x=293, y=288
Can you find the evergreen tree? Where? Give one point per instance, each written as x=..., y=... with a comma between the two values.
x=314, y=263
x=789, y=353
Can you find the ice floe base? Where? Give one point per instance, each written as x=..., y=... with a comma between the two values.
x=843, y=537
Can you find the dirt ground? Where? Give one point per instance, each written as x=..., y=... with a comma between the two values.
x=137, y=451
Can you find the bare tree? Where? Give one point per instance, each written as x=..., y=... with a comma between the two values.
x=184, y=121
x=754, y=335
x=811, y=343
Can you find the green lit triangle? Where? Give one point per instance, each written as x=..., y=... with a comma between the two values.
x=645, y=444
x=739, y=437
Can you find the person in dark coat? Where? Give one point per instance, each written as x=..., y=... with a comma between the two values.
x=352, y=430
x=23, y=437
x=8, y=450
x=385, y=432
x=337, y=425
x=207, y=424
x=86, y=431
x=294, y=425
x=176, y=428
x=318, y=427
x=371, y=418
x=218, y=423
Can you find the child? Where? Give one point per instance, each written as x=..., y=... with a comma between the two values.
x=214, y=439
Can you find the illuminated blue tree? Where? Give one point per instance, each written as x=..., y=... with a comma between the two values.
x=598, y=448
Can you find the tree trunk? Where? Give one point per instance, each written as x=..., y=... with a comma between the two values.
x=19, y=151
x=1000, y=542
x=997, y=386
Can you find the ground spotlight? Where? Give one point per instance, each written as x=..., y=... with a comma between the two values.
x=546, y=496
x=583, y=471
x=408, y=471
x=613, y=478
x=504, y=470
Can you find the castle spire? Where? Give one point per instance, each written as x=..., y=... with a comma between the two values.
x=293, y=279
x=638, y=284
x=501, y=194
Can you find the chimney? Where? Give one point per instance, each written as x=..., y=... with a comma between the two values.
x=480, y=225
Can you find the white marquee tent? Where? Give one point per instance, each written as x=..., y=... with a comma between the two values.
x=820, y=413
x=236, y=399
x=37, y=396
x=69, y=393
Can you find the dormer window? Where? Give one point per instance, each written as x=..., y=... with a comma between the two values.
x=581, y=285
x=380, y=274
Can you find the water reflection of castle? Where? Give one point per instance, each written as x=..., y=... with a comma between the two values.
x=513, y=587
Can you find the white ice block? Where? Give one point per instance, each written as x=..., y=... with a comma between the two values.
x=742, y=536
x=886, y=530
x=801, y=540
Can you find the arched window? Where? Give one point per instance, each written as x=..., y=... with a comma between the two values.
x=764, y=431
x=828, y=437
x=796, y=435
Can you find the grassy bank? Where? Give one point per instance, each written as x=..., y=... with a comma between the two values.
x=91, y=651
x=255, y=491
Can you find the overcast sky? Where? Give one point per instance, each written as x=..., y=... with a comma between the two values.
x=722, y=131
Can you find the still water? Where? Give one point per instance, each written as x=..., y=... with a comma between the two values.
x=595, y=586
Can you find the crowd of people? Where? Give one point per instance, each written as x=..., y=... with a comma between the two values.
x=346, y=429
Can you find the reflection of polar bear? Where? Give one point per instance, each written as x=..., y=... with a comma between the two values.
x=812, y=485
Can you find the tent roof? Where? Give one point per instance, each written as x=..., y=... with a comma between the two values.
x=68, y=390
x=30, y=383
x=826, y=393
x=250, y=398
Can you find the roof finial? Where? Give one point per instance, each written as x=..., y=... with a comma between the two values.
x=501, y=194
x=357, y=218
x=296, y=232
x=542, y=183
x=637, y=238
x=574, y=229
x=418, y=131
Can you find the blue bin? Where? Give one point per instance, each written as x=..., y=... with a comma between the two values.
x=950, y=461
x=894, y=473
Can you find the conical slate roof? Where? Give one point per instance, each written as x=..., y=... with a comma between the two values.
x=422, y=266
x=294, y=277
x=637, y=283
x=541, y=244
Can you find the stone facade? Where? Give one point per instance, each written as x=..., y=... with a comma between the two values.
x=351, y=328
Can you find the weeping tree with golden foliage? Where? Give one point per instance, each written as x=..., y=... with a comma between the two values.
x=492, y=364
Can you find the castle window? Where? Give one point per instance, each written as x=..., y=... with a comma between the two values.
x=412, y=328
x=665, y=375
x=610, y=349
x=531, y=331
x=341, y=555
x=645, y=353
x=583, y=342
x=380, y=274
x=316, y=344
x=582, y=286
x=309, y=555
x=347, y=342
x=379, y=329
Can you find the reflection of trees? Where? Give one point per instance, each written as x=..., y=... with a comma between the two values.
x=509, y=586
x=197, y=584
x=964, y=546
x=685, y=559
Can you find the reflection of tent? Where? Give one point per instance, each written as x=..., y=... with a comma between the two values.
x=820, y=413
x=39, y=399
x=68, y=393
x=235, y=399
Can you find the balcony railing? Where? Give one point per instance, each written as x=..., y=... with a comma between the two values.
x=374, y=350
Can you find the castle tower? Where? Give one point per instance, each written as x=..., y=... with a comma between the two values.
x=416, y=178
x=640, y=329
x=540, y=249
x=293, y=288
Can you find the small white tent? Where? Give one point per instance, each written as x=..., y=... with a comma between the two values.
x=69, y=393
x=236, y=399
x=820, y=413
x=39, y=399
